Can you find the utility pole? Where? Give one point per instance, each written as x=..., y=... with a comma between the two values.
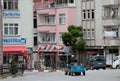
x=1, y=36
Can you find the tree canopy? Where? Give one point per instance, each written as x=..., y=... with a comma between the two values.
x=74, y=38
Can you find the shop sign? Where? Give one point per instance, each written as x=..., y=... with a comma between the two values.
x=11, y=14
x=58, y=47
x=8, y=41
x=42, y=47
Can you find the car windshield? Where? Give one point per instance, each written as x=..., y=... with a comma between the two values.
x=99, y=58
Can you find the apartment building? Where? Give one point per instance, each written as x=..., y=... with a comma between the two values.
x=101, y=21
x=17, y=31
x=53, y=18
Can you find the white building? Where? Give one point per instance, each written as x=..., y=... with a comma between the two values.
x=101, y=21
x=17, y=28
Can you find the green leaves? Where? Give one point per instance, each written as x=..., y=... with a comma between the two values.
x=80, y=45
x=73, y=38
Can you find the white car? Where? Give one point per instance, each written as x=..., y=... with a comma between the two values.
x=116, y=62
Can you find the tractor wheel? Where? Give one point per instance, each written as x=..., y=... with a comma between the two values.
x=83, y=73
x=66, y=73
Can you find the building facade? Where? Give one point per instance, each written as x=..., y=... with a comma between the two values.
x=101, y=21
x=53, y=18
x=17, y=31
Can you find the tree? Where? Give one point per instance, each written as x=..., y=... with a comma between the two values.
x=74, y=39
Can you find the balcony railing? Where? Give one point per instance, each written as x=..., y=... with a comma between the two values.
x=107, y=21
x=55, y=6
x=111, y=41
x=111, y=3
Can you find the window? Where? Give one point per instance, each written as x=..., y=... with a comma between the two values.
x=48, y=37
x=11, y=29
x=84, y=14
x=115, y=12
x=71, y=1
x=111, y=12
x=10, y=4
x=111, y=32
x=93, y=14
x=92, y=34
x=88, y=14
x=50, y=19
x=88, y=34
x=84, y=34
x=35, y=23
x=35, y=41
x=61, y=18
x=60, y=35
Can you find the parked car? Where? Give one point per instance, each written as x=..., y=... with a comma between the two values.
x=96, y=62
x=116, y=62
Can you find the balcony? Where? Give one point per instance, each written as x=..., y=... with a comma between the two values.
x=46, y=28
x=46, y=11
x=111, y=2
x=111, y=21
x=111, y=41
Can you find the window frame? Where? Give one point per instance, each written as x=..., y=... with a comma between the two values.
x=10, y=4
x=61, y=19
x=12, y=30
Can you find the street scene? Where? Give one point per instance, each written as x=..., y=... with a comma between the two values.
x=59, y=40
x=91, y=75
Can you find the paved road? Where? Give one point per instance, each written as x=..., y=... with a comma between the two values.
x=91, y=75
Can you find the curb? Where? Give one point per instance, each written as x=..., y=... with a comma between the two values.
x=47, y=71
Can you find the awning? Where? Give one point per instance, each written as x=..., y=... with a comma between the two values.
x=14, y=49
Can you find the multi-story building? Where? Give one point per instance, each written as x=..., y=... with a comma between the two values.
x=53, y=18
x=17, y=30
x=101, y=21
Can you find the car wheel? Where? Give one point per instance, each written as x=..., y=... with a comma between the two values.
x=91, y=68
x=104, y=68
x=97, y=68
x=118, y=67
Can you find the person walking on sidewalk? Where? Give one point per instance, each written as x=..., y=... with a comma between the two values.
x=22, y=68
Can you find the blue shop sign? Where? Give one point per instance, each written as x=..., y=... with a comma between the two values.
x=11, y=14
x=14, y=41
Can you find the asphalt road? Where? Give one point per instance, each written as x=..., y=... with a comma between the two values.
x=91, y=75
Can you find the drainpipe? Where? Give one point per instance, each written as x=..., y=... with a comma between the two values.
x=1, y=36
x=1, y=43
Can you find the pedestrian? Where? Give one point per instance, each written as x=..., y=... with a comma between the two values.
x=14, y=68
x=23, y=68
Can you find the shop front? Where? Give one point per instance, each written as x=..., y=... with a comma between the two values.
x=48, y=56
x=17, y=53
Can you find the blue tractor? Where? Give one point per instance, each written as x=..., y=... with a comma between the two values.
x=73, y=68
